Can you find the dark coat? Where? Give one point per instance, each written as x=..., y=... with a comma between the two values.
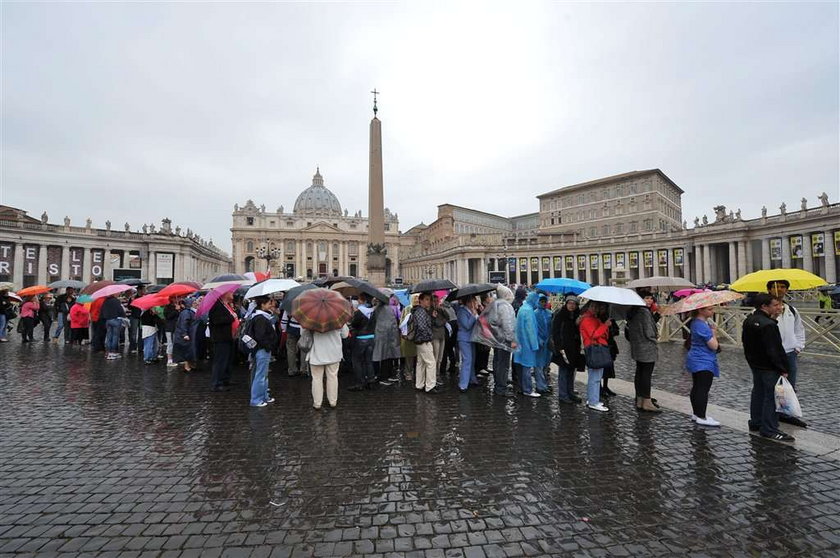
x=566, y=337
x=642, y=334
x=386, y=341
x=111, y=308
x=763, y=344
x=264, y=332
x=170, y=314
x=221, y=323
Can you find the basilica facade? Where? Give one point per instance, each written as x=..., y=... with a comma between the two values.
x=315, y=239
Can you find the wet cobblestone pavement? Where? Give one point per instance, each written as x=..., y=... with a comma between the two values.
x=116, y=459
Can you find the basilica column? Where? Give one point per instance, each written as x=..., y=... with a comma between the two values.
x=830, y=257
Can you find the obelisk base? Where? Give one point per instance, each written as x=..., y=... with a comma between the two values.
x=375, y=269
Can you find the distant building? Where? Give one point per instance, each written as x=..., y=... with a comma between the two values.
x=316, y=239
x=34, y=252
x=619, y=228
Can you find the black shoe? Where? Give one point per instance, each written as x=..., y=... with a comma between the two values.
x=462, y=390
x=753, y=428
x=779, y=437
x=220, y=388
x=566, y=401
x=793, y=420
x=608, y=392
x=356, y=388
x=575, y=399
x=505, y=394
x=436, y=389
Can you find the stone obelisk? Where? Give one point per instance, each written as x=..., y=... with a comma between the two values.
x=376, y=252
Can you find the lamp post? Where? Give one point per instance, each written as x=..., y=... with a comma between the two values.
x=268, y=252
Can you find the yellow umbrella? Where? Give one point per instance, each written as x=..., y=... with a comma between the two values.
x=756, y=282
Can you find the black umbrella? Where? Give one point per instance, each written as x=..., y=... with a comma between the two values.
x=155, y=288
x=291, y=294
x=471, y=289
x=431, y=285
x=367, y=288
x=327, y=282
x=134, y=282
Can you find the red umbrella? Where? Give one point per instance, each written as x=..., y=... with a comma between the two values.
x=96, y=285
x=321, y=310
x=149, y=301
x=178, y=289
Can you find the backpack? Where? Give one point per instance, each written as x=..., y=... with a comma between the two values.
x=410, y=328
x=247, y=343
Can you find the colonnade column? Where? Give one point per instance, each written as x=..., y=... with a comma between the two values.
x=17, y=277
x=785, y=252
x=741, y=267
x=807, y=254
x=86, y=265
x=765, y=253
x=707, y=263
x=830, y=257
x=748, y=254
x=65, y=262
x=670, y=264
x=42, y=264
x=733, y=260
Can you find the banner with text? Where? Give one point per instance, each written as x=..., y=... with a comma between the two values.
x=7, y=261
x=53, y=263
x=77, y=260
x=97, y=264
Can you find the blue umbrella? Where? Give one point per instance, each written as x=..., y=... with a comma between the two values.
x=562, y=285
x=402, y=296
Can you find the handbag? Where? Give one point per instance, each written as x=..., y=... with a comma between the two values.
x=598, y=356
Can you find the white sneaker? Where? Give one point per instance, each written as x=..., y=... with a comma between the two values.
x=693, y=418
x=171, y=364
x=270, y=400
x=263, y=404
x=708, y=421
x=532, y=394
x=598, y=407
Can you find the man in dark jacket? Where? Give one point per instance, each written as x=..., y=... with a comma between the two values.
x=112, y=315
x=362, y=326
x=767, y=359
x=63, y=303
x=135, y=337
x=222, y=320
x=567, y=354
x=170, y=313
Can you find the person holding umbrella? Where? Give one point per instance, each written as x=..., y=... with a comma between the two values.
x=113, y=314
x=28, y=317
x=594, y=333
x=467, y=315
x=527, y=337
x=264, y=332
x=223, y=326
x=644, y=338
x=701, y=362
x=792, y=331
x=567, y=349
x=63, y=304
x=46, y=311
x=6, y=309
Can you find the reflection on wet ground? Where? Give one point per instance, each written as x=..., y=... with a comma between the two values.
x=107, y=458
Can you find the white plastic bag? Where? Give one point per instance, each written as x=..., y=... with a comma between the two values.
x=786, y=401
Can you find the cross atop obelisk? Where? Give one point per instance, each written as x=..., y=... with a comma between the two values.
x=376, y=253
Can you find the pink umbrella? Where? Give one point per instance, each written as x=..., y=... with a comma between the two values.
x=686, y=292
x=111, y=290
x=214, y=295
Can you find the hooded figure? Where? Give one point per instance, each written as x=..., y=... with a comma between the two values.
x=543, y=315
x=527, y=337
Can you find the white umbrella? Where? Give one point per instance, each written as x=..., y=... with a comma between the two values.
x=661, y=282
x=613, y=295
x=271, y=286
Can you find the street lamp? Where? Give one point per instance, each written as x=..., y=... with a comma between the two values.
x=268, y=252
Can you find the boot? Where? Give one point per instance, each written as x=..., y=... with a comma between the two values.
x=648, y=406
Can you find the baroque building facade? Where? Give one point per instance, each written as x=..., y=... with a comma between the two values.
x=315, y=239
x=619, y=228
x=34, y=252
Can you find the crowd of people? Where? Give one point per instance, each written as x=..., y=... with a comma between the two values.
x=425, y=340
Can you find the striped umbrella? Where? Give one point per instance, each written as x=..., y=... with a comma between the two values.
x=321, y=310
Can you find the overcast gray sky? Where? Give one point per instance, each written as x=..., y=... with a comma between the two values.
x=134, y=111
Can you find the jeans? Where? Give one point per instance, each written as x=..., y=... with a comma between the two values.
x=466, y=376
x=259, y=385
x=134, y=338
x=501, y=367
x=565, y=382
x=150, y=347
x=763, y=402
x=222, y=359
x=60, y=325
x=701, y=383
x=362, y=358
x=643, y=378
x=112, y=336
x=792, y=367
x=525, y=379
x=3, y=321
x=593, y=385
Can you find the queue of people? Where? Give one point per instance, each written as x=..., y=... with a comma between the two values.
x=386, y=343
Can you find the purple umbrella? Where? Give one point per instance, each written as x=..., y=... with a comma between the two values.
x=111, y=290
x=215, y=294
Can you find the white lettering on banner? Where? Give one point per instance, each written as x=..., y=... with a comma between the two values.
x=30, y=260
x=97, y=256
x=4, y=268
x=4, y=250
x=76, y=269
x=96, y=270
x=52, y=269
x=30, y=253
x=74, y=255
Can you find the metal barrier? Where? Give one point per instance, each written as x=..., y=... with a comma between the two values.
x=822, y=328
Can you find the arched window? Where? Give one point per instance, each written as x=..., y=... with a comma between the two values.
x=249, y=263
x=249, y=246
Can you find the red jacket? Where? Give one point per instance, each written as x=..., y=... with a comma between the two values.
x=79, y=316
x=593, y=331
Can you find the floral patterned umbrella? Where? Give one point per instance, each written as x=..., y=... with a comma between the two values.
x=321, y=310
x=702, y=300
